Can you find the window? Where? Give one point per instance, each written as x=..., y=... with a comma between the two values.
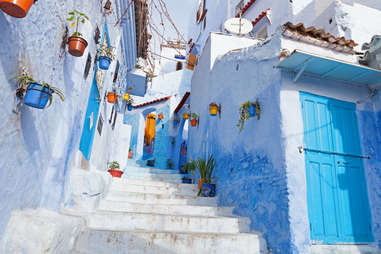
x=179, y=66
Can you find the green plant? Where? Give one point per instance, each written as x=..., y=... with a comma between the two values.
x=130, y=101
x=194, y=116
x=76, y=17
x=206, y=168
x=114, y=165
x=24, y=80
x=189, y=167
x=107, y=51
x=244, y=113
x=169, y=163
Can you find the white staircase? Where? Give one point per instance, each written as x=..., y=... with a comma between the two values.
x=148, y=213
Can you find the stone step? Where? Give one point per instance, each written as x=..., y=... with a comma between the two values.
x=148, y=170
x=126, y=181
x=164, y=199
x=117, y=221
x=118, y=206
x=170, y=178
x=186, y=191
x=343, y=249
x=101, y=242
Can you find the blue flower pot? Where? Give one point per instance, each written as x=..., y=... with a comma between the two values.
x=208, y=190
x=104, y=62
x=37, y=96
x=129, y=107
x=251, y=109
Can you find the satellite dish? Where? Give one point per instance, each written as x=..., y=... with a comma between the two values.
x=238, y=26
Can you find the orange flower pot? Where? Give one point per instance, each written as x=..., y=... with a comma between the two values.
x=115, y=173
x=160, y=116
x=191, y=62
x=111, y=97
x=200, y=182
x=193, y=122
x=16, y=8
x=186, y=116
x=77, y=46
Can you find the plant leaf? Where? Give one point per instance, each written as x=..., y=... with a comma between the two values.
x=70, y=19
x=71, y=13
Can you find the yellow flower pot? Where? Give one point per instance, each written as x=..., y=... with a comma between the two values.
x=186, y=116
x=213, y=109
x=126, y=96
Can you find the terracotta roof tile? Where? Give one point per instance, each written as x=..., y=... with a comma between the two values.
x=246, y=7
x=152, y=102
x=314, y=35
x=260, y=16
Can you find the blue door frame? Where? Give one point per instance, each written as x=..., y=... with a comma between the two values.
x=337, y=196
x=92, y=111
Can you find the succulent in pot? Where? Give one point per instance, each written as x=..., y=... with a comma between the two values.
x=247, y=110
x=114, y=169
x=194, y=119
x=129, y=103
x=77, y=44
x=36, y=94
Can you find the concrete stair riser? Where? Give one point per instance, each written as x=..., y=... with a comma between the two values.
x=105, y=205
x=155, y=189
x=173, y=179
x=166, y=223
x=126, y=181
x=146, y=198
x=101, y=242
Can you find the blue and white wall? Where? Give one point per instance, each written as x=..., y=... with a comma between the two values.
x=39, y=148
x=260, y=170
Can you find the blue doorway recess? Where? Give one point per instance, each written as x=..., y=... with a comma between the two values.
x=337, y=196
x=92, y=110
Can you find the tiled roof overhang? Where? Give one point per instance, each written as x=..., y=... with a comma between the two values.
x=318, y=36
x=246, y=7
x=152, y=102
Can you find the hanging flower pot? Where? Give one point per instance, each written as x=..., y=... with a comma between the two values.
x=111, y=97
x=126, y=96
x=160, y=116
x=130, y=154
x=193, y=122
x=191, y=63
x=194, y=119
x=77, y=46
x=208, y=190
x=186, y=116
x=129, y=107
x=104, y=62
x=213, y=109
x=251, y=109
x=16, y=8
x=37, y=96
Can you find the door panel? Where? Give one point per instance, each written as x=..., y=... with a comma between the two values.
x=338, y=203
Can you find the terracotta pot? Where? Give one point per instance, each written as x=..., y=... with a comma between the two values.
x=200, y=182
x=130, y=155
x=115, y=173
x=77, y=46
x=111, y=97
x=16, y=8
x=160, y=116
x=193, y=122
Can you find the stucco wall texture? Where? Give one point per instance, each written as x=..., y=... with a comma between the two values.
x=38, y=146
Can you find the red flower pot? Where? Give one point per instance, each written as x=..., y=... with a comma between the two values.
x=77, y=45
x=193, y=122
x=111, y=97
x=130, y=155
x=16, y=8
x=115, y=173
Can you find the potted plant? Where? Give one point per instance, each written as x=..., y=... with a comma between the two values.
x=160, y=116
x=186, y=116
x=77, y=44
x=213, y=109
x=106, y=56
x=114, y=169
x=16, y=8
x=208, y=188
x=129, y=103
x=169, y=164
x=36, y=94
x=186, y=169
x=194, y=119
x=112, y=97
x=247, y=110
x=130, y=153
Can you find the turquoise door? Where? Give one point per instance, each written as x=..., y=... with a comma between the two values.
x=337, y=196
x=91, y=117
